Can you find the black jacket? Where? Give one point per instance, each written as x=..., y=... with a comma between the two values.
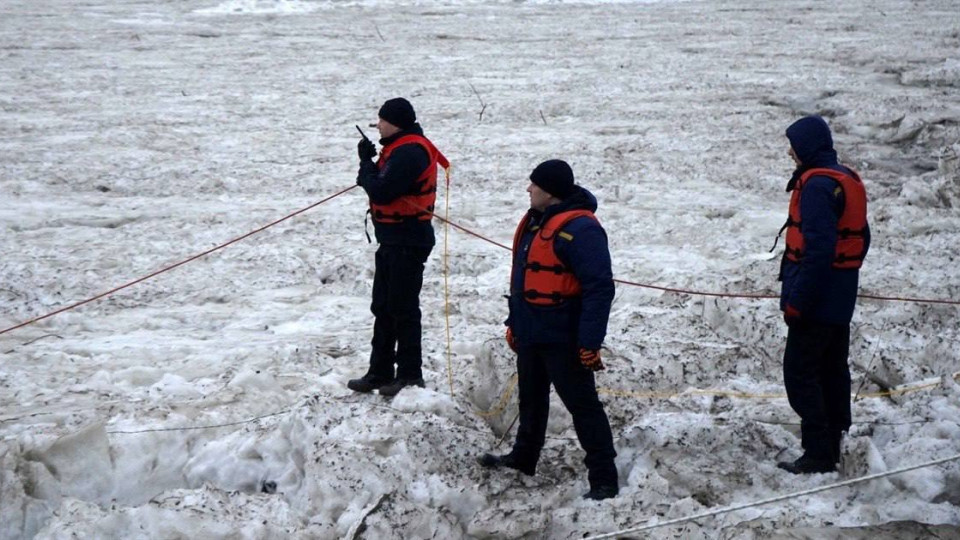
x=396, y=178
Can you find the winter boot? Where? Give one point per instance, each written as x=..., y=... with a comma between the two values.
x=509, y=461
x=601, y=492
x=368, y=383
x=808, y=465
x=396, y=386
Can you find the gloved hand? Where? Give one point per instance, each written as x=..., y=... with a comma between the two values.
x=791, y=315
x=590, y=358
x=367, y=171
x=510, y=340
x=366, y=149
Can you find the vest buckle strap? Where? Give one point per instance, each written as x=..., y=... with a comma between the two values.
x=556, y=269
x=850, y=233
x=397, y=217
x=556, y=296
x=843, y=257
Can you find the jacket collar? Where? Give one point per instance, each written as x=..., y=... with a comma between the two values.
x=581, y=199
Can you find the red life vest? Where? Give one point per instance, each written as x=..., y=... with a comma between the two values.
x=546, y=280
x=417, y=205
x=851, y=226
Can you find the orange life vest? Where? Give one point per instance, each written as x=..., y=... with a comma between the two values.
x=419, y=204
x=546, y=280
x=851, y=226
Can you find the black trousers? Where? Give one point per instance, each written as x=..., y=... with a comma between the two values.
x=817, y=379
x=397, y=281
x=537, y=367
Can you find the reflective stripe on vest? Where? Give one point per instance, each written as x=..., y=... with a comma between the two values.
x=546, y=280
x=851, y=225
x=419, y=204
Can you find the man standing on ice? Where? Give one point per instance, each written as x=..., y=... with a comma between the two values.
x=827, y=240
x=402, y=187
x=561, y=288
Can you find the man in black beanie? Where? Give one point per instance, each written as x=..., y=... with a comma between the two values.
x=402, y=188
x=561, y=288
x=397, y=112
x=555, y=177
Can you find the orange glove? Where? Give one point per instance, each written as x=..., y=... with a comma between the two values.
x=510, y=341
x=791, y=315
x=591, y=359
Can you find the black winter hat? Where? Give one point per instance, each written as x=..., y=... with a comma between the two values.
x=398, y=112
x=555, y=177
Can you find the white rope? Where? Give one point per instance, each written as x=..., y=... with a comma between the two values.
x=773, y=499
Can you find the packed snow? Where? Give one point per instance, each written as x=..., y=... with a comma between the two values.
x=210, y=400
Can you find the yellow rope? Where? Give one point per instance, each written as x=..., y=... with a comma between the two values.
x=446, y=281
x=504, y=400
x=696, y=392
x=508, y=393
x=745, y=395
x=902, y=391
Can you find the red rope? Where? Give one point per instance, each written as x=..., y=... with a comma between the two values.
x=464, y=229
x=908, y=299
x=456, y=226
x=700, y=293
x=172, y=266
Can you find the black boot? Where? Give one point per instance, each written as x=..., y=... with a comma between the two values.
x=396, y=386
x=368, y=383
x=601, y=492
x=509, y=461
x=808, y=465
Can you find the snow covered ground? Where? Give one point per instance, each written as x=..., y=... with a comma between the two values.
x=209, y=402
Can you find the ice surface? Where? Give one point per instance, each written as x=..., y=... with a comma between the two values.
x=210, y=401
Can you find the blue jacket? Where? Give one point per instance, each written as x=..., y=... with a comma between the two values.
x=821, y=293
x=579, y=321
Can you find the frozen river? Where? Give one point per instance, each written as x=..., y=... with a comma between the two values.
x=210, y=401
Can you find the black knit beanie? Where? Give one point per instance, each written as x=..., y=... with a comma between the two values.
x=555, y=177
x=398, y=112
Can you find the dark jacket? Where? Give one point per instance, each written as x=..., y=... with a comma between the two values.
x=821, y=293
x=579, y=321
x=397, y=177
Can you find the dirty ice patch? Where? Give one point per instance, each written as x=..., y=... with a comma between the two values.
x=259, y=7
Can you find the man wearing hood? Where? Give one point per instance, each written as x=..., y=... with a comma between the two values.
x=402, y=187
x=561, y=288
x=827, y=240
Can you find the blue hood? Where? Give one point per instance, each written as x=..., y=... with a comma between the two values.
x=811, y=140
